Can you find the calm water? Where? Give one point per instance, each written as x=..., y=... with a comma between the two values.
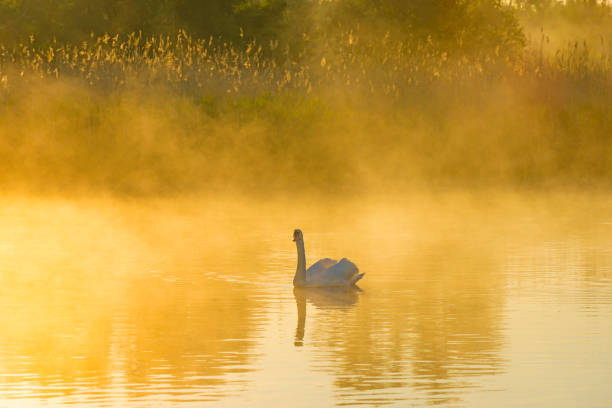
x=470, y=302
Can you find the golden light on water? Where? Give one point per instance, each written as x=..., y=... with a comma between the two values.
x=104, y=305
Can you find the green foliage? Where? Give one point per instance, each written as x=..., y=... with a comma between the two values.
x=472, y=24
x=74, y=20
x=450, y=24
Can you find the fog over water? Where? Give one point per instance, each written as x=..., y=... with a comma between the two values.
x=478, y=299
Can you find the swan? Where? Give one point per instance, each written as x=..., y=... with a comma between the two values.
x=325, y=272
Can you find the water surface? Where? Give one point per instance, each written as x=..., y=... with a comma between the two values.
x=467, y=301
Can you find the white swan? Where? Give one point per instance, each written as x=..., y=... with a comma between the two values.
x=325, y=272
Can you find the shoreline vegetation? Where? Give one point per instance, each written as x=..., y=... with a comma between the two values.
x=142, y=114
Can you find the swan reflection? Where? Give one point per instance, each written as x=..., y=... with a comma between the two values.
x=322, y=298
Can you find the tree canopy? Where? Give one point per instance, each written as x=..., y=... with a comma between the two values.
x=471, y=23
x=74, y=20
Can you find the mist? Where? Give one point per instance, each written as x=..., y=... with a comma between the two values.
x=155, y=157
x=369, y=115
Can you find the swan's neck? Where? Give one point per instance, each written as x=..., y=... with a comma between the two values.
x=300, y=274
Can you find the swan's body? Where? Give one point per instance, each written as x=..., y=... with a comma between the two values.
x=325, y=272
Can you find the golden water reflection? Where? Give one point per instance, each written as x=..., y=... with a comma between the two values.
x=148, y=302
x=432, y=325
x=322, y=298
x=90, y=302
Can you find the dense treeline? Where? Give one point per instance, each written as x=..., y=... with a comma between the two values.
x=472, y=23
x=74, y=20
x=477, y=22
x=295, y=25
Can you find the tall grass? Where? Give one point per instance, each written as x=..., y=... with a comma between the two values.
x=158, y=114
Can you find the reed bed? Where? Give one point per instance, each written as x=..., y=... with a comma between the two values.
x=380, y=66
x=142, y=114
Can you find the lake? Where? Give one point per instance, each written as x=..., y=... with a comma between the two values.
x=476, y=300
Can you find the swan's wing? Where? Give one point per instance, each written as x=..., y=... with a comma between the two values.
x=321, y=265
x=343, y=273
x=343, y=270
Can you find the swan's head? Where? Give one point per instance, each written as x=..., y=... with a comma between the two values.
x=297, y=235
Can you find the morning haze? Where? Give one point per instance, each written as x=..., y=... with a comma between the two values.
x=155, y=158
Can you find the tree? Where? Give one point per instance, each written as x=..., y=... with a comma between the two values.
x=471, y=24
x=74, y=20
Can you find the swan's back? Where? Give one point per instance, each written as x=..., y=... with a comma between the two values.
x=321, y=266
x=328, y=272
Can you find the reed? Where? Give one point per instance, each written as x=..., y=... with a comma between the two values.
x=367, y=109
x=379, y=66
